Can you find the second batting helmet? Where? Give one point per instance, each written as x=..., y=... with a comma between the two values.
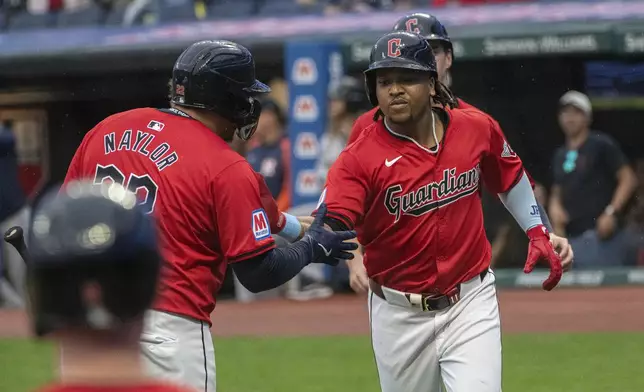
x=93, y=258
x=219, y=76
x=398, y=50
x=351, y=91
x=426, y=25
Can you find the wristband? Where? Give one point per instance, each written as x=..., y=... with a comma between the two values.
x=292, y=228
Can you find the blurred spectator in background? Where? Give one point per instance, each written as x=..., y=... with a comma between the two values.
x=347, y=101
x=12, y=201
x=271, y=153
x=593, y=184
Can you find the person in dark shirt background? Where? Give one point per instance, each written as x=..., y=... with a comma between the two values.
x=270, y=154
x=593, y=185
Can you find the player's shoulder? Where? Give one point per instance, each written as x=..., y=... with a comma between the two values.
x=365, y=139
x=129, y=115
x=471, y=115
x=366, y=119
x=462, y=105
x=363, y=121
x=229, y=165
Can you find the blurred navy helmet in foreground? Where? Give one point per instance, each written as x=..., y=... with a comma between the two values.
x=94, y=260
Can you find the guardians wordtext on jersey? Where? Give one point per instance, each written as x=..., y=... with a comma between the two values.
x=432, y=196
x=161, y=155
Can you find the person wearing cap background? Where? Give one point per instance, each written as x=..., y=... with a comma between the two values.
x=271, y=153
x=347, y=101
x=593, y=184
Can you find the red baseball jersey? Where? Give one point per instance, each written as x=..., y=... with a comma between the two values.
x=205, y=197
x=417, y=213
x=115, y=388
x=366, y=119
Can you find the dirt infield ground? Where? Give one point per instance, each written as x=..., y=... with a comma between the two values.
x=564, y=310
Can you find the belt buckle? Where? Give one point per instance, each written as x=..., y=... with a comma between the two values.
x=425, y=304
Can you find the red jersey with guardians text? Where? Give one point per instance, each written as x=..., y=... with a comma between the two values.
x=205, y=198
x=115, y=388
x=418, y=213
x=366, y=120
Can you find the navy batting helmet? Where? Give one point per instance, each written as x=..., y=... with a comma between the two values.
x=90, y=239
x=219, y=76
x=426, y=25
x=351, y=91
x=399, y=50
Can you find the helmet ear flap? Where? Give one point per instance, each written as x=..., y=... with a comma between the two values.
x=370, y=87
x=248, y=120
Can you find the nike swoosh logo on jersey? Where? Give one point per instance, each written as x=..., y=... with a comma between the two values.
x=389, y=163
x=326, y=252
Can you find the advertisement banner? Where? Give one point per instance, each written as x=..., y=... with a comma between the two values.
x=311, y=67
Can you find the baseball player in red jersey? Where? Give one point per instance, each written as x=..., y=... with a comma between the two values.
x=411, y=188
x=436, y=35
x=209, y=203
x=93, y=270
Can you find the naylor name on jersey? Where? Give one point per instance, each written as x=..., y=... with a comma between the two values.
x=433, y=195
x=162, y=155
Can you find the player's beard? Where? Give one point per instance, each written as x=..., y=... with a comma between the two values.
x=410, y=118
x=401, y=121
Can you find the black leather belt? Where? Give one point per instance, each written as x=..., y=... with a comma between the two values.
x=429, y=302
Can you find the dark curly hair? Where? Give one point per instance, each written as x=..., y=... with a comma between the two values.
x=444, y=96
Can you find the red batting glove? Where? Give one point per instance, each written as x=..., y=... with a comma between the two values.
x=540, y=248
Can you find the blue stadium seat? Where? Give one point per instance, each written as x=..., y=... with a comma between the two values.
x=26, y=21
x=90, y=16
x=176, y=11
x=230, y=9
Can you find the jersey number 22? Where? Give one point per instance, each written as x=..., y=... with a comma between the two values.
x=134, y=184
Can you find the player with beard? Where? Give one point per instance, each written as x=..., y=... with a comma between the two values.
x=410, y=188
x=436, y=35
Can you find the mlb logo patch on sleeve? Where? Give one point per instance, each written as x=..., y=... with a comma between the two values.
x=156, y=126
x=261, y=227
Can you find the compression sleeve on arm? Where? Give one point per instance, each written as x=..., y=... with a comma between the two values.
x=273, y=268
x=544, y=218
x=520, y=202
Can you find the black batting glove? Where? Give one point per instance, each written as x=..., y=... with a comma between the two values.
x=329, y=247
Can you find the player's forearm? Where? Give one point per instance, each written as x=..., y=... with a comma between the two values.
x=544, y=217
x=521, y=203
x=293, y=228
x=274, y=268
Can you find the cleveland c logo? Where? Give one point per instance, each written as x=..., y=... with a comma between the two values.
x=412, y=25
x=393, y=47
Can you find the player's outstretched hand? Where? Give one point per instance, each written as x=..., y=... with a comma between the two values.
x=540, y=248
x=329, y=247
